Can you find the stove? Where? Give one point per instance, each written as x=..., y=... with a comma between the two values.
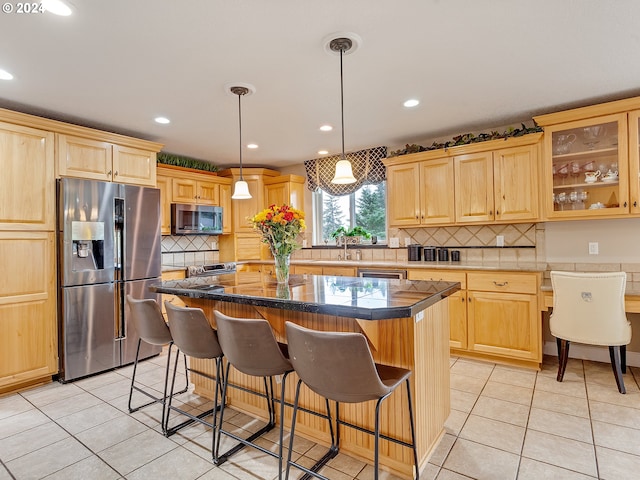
x=212, y=269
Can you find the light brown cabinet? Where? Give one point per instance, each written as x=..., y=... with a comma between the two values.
x=494, y=316
x=503, y=315
x=494, y=186
x=163, y=183
x=427, y=193
x=189, y=190
x=27, y=198
x=600, y=141
x=173, y=299
x=284, y=190
x=572, y=155
x=485, y=183
x=267, y=187
x=181, y=185
x=457, y=302
x=28, y=327
x=102, y=160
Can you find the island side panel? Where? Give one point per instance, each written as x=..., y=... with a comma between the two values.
x=420, y=346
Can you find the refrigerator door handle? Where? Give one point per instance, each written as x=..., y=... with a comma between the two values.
x=119, y=309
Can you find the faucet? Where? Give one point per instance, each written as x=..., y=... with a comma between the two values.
x=347, y=255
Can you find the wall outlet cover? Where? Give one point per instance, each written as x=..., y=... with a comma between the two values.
x=500, y=240
x=394, y=242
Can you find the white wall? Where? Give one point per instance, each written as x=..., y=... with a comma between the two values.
x=618, y=241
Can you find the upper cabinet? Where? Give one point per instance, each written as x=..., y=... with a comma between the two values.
x=97, y=159
x=586, y=167
x=591, y=161
x=27, y=199
x=189, y=190
x=427, y=193
x=634, y=161
x=284, y=190
x=489, y=182
x=180, y=185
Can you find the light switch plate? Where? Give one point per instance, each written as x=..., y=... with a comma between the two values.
x=394, y=242
x=499, y=240
x=593, y=248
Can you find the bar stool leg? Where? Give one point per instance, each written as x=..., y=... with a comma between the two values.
x=412, y=426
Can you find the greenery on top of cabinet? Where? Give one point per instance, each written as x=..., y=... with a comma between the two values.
x=467, y=138
x=186, y=162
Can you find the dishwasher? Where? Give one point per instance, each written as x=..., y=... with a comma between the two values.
x=381, y=273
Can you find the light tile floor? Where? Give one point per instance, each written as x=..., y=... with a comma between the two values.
x=505, y=423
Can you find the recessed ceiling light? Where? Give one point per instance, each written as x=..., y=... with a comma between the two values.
x=326, y=128
x=252, y=145
x=322, y=152
x=4, y=75
x=162, y=120
x=411, y=103
x=57, y=7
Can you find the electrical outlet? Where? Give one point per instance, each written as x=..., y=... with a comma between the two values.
x=593, y=248
x=500, y=240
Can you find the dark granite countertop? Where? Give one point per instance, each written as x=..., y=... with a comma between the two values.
x=362, y=298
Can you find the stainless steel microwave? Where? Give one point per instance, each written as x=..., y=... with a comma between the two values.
x=195, y=219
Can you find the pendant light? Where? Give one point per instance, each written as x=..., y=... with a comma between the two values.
x=241, y=188
x=344, y=172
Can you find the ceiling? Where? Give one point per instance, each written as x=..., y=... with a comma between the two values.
x=473, y=64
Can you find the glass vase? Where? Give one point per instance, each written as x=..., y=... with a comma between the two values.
x=282, y=268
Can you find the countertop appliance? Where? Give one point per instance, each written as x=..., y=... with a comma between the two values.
x=187, y=219
x=109, y=246
x=212, y=269
x=382, y=273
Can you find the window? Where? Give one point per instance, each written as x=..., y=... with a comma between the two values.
x=366, y=207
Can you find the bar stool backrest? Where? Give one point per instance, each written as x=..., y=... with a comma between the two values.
x=191, y=332
x=250, y=346
x=589, y=308
x=336, y=365
x=149, y=321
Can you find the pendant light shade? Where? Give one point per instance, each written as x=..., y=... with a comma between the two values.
x=344, y=172
x=241, y=188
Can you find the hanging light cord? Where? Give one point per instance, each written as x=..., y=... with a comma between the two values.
x=240, y=129
x=342, y=101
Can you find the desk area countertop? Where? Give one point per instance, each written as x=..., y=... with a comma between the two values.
x=361, y=298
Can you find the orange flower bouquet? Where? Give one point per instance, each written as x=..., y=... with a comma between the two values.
x=279, y=228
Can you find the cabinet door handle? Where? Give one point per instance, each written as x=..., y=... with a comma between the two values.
x=635, y=204
x=503, y=284
x=498, y=212
x=115, y=174
x=625, y=204
x=462, y=299
x=109, y=173
x=490, y=212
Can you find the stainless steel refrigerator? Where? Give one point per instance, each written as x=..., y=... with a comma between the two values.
x=109, y=247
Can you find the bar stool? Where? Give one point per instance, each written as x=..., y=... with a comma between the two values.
x=339, y=367
x=195, y=337
x=250, y=346
x=153, y=330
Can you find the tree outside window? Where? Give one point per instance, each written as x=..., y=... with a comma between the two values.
x=365, y=208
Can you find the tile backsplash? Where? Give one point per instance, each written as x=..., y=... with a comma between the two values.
x=187, y=250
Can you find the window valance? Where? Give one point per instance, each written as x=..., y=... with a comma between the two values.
x=366, y=164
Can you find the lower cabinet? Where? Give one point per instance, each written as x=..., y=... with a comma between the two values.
x=175, y=300
x=28, y=315
x=494, y=316
x=503, y=315
x=457, y=302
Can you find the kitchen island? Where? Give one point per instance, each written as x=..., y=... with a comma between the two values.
x=406, y=323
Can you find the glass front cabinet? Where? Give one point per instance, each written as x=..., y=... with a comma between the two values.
x=634, y=162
